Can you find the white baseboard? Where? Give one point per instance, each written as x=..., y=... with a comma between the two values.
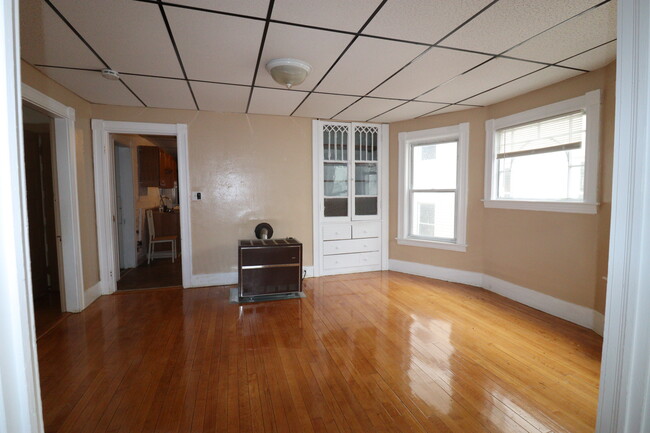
x=218, y=279
x=599, y=323
x=92, y=294
x=574, y=313
x=577, y=314
x=437, y=272
x=229, y=278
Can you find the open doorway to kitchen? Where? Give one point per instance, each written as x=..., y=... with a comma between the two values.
x=147, y=225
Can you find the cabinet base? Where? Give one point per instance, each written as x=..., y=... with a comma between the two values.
x=236, y=299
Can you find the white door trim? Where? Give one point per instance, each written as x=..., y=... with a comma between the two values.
x=104, y=173
x=68, y=197
x=624, y=401
x=20, y=402
x=316, y=194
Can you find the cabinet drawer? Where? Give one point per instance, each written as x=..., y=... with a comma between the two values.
x=350, y=246
x=351, y=260
x=336, y=231
x=341, y=261
x=367, y=259
x=366, y=230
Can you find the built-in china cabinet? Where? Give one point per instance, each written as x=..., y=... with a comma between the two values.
x=350, y=197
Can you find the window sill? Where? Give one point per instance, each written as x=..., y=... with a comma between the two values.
x=545, y=206
x=432, y=244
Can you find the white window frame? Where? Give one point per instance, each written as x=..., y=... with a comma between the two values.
x=407, y=140
x=590, y=103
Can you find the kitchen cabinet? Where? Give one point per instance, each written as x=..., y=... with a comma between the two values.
x=156, y=167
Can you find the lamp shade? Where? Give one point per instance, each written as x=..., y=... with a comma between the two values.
x=288, y=72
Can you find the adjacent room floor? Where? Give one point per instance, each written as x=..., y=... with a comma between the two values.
x=157, y=274
x=373, y=352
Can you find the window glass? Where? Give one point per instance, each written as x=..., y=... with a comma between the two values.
x=336, y=180
x=433, y=215
x=434, y=165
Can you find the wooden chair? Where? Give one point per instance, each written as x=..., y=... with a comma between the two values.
x=153, y=239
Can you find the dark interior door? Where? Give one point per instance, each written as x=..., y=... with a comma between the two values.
x=40, y=213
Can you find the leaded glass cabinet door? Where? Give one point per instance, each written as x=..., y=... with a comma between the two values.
x=336, y=170
x=365, y=172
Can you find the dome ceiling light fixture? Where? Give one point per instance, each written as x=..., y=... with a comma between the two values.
x=288, y=72
x=110, y=74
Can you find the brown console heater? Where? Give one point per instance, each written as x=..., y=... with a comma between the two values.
x=269, y=267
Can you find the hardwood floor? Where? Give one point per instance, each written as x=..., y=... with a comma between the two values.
x=47, y=312
x=374, y=352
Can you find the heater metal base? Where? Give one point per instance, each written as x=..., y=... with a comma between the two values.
x=236, y=299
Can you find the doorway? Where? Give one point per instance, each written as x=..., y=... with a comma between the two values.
x=44, y=230
x=147, y=210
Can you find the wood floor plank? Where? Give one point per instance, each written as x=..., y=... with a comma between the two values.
x=379, y=352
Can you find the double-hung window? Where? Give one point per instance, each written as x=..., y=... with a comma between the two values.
x=433, y=187
x=545, y=158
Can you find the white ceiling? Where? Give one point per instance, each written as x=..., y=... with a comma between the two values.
x=377, y=60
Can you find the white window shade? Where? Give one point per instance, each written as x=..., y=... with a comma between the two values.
x=560, y=133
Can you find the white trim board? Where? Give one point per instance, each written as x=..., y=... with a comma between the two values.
x=218, y=279
x=577, y=314
x=92, y=294
x=66, y=193
x=20, y=401
x=624, y=400
x=104, y=193
x=230, y=278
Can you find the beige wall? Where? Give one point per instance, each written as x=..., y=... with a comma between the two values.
x=559, y=254
x=250, y=168
x=254, y=168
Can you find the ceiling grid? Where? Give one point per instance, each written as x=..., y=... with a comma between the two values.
x=427, y=56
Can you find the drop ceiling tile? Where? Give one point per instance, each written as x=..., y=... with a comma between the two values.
x=572, y=37
x=367, y=108
x=347, y=15
x=531, y=82
x=452, y=108
x=593, y=59
x=324, y=106
x=161, y=92
x=46, y=40
x=275, y=101
x=492, y=73
x=433, y=68
x=130, y=36
x=422, y=20
x=410, y=110
x=221, y=97
x=258, y=8
x=92, y=87
x=216, y=47
x=316, y=47
x=509, y=22
x=366, y=64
